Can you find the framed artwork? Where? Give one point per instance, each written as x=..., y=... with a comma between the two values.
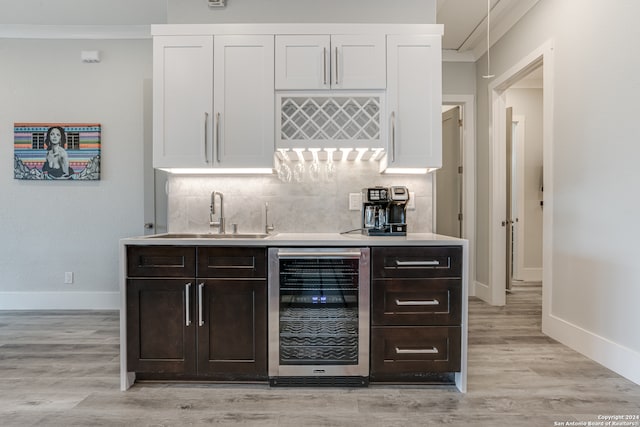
x=56, y=151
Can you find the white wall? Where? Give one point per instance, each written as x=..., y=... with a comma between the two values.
x=49, y=228
x=83, y=12
x=356, y=11
x=595, y=272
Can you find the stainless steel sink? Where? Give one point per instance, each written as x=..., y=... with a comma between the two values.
x=209, y=236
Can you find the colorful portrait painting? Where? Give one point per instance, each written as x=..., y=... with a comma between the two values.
x=60, y=151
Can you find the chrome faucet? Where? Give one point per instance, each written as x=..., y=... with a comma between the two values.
x=267, y=228
x=220, y=222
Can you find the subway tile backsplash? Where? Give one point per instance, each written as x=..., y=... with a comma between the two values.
x=320, y=207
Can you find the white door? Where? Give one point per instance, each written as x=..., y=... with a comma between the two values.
x=414, y=100
x=509, y=193
x=449, y=177
x=182, y=100
x=244, y=101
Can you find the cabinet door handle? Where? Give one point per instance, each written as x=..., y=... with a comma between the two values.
x=429, y=263
x=200, y=318
x=324, y=66
x=431, y=350
x=206, y=128
x=418, y=302
x=336, y=66
x=217, y=141
x=187, y=304
x=393, y=136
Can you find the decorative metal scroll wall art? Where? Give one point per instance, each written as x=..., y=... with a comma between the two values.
x=56, y=151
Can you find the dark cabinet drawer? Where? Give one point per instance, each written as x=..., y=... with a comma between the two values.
x=416, y=262
x=396, y=351
x=232, y=262
x=416, y=302
x=161, y=261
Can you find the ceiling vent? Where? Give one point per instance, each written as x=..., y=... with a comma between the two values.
x=216, y=3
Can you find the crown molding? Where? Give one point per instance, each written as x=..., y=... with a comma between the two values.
x=84, y=32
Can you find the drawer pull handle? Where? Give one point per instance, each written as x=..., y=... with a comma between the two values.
x=429, y=263
x=431, y=350
x=187, y=292
x=425, y=302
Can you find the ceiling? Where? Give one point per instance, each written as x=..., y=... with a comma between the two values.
x=465, y=24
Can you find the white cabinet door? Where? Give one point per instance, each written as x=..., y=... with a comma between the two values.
x=358, y=62
x=243, y=101
x=414, y=98
x=182, y=101
x=330, y=62
x=302, y=62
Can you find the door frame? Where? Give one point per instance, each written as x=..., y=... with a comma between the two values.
x=495, y=293
x=467, y=104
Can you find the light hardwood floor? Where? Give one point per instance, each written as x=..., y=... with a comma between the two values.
x=60, y=368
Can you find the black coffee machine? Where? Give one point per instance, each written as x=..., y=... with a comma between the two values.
x=384, y=211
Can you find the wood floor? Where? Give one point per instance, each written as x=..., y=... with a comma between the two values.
x=60, y=368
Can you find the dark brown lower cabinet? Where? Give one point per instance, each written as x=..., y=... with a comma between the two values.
x=195, y=328
x=416, y=314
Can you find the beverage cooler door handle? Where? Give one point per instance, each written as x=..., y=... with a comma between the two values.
x=318, y=254
x=431, y=350
x=430, y=263
x=413, y=303
x=200, y=318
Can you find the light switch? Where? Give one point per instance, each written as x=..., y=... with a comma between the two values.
x=412, y=200
x=355, y=201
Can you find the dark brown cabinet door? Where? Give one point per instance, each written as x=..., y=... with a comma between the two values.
x=232, y=329
x=160, y=326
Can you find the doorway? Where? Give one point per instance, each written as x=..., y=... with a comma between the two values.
x=495, y=291
x=524, y=164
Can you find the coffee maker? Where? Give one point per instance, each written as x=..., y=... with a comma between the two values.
x=384, y=211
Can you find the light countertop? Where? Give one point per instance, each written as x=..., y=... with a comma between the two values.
x=298, y=239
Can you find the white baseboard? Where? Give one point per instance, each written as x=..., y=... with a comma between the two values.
x=622, y=360
x=60, y=301
x=531, y=275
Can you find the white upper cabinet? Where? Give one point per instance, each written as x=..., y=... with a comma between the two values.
x=243, y=101
x=330, y=62
x=182, y=101
x=414, y=99
x=213, y=105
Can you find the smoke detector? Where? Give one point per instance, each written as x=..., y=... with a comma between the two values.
x=216, y=3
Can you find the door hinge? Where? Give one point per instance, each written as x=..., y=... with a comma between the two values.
x=459, y=217
x=460, y=122
x=460, y=169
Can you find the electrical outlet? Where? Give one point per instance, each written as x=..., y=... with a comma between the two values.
x=355, y=200
x=412, y=201
x=68, y=277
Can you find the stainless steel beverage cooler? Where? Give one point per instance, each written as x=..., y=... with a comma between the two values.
x=319, y=316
